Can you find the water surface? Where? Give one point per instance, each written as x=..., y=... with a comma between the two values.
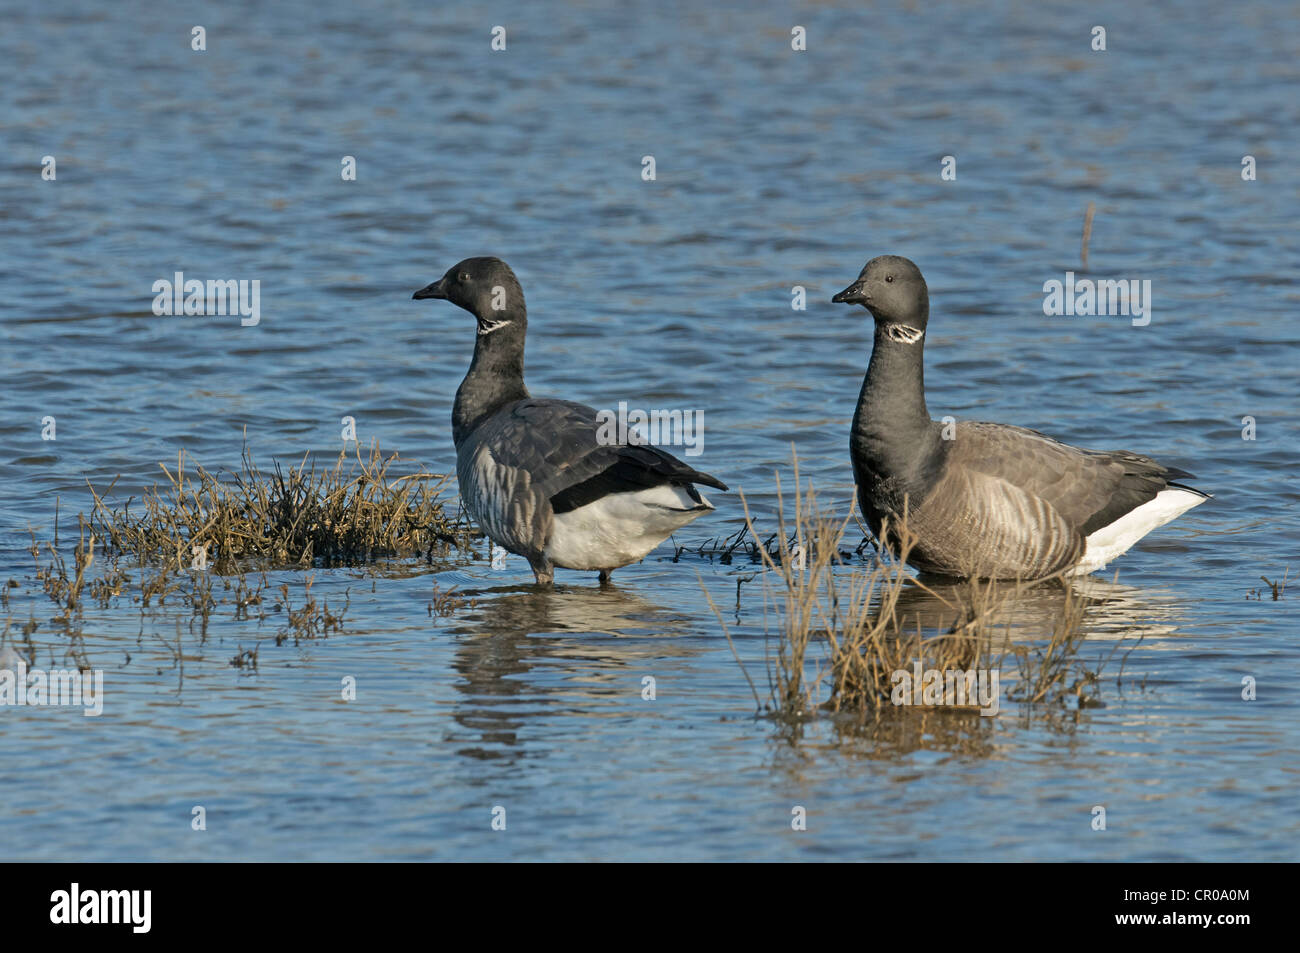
x=774, y=169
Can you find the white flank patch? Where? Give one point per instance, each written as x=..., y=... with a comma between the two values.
x=1116, y=538
x=620, y=528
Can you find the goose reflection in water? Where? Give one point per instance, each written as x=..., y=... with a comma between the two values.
x=572, y=650
x=1112, y=610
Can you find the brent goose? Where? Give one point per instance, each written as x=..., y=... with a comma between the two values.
x=994, y=501
x=532, y=472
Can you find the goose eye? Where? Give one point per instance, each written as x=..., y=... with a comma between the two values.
x=464, y=276
x=889, y=277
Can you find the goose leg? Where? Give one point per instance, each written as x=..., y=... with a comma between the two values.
x=604, y=576
x=542, y=570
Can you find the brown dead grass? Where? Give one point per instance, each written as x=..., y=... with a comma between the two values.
x=346, y=514
x=840, y=637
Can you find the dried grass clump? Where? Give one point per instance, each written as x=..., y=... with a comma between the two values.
x=843, y=635
x=197, y=532
x=343, y=515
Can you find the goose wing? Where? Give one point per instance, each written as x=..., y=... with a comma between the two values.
x=538, y=457
x=1088, y=488
x=1018, y=499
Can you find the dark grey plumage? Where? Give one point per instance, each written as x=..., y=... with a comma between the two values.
x=532, y=472
x=995, y=500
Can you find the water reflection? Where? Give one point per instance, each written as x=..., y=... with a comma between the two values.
x=894, y=735
x=524, y=655
x=1112, y=610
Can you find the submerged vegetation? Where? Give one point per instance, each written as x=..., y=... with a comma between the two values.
x=312, y=619
x=204, y=541
x=1277, y=589
x=851, y=641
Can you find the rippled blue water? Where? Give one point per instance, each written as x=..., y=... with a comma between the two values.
x=774, y=168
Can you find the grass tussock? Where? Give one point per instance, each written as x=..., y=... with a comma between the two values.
x=200, y=546
x=844, y=634
x=306, y=515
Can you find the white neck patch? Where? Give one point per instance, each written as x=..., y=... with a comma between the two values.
x=903, y=334
x=487, y=327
